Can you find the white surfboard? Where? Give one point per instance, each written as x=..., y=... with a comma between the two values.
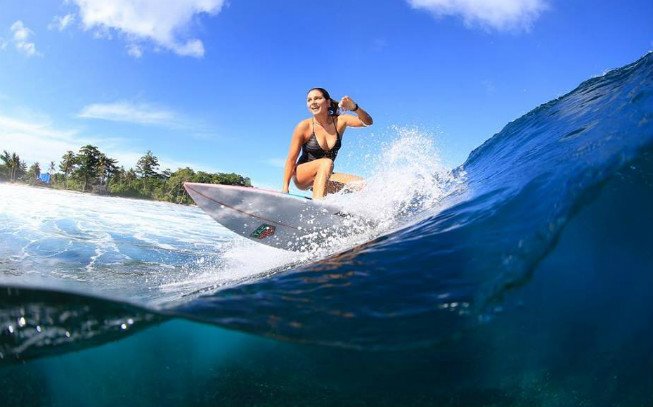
x=269, y=217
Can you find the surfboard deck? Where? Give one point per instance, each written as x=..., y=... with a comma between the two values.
x=268, y=217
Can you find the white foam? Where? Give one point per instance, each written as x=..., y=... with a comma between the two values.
x=160, y=252
x=408, y=182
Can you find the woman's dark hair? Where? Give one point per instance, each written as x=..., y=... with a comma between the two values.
x=333, y=105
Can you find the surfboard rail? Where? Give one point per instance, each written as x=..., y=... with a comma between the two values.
x=269, y=217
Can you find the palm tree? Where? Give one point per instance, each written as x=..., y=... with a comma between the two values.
x=88, y=165
x=107, y=168
x=34, y=172
x=20, y=167
x=147, y=165
x=13, y=164
x=6, y=158
x=67, y=165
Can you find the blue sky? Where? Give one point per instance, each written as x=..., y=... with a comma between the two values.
x=219, y=86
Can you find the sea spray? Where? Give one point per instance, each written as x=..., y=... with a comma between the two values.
x=407, y=182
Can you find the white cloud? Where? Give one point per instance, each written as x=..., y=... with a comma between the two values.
x=146, y=114
x=130, y=113
x=134, y=50
x=21, y=39
x=165, y=24
x=61, y=23
x=35, y=139
x=9, y=126
x=495, y=14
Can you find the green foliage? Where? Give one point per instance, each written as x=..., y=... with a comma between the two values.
x=107, y=167
x=13, y=167
x=87, y=168
x=67, y=165
x=35, y=170
x=32, y=174
x=90, y=169
x=147, y=165
x=4, y=169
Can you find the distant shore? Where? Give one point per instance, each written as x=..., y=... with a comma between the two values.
x=91, y=171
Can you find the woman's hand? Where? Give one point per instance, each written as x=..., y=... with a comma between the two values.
x=347, y=104
x=363, y=118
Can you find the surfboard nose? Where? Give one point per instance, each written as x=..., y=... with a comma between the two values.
x=190, y=187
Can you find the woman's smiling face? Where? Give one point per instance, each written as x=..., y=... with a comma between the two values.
x=316, y=102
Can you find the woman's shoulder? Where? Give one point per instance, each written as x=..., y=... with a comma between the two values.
x=303, y=130
x=304, y=124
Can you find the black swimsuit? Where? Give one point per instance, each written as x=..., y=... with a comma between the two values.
x=311, y=150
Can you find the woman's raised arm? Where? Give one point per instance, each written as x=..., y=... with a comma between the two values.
x=364, y=118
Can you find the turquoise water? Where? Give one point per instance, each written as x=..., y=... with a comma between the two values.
x=522, y=278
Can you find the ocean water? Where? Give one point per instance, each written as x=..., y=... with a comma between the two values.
x=521, y=278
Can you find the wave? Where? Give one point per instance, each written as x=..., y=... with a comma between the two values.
x=457, y=251
x=435, y=279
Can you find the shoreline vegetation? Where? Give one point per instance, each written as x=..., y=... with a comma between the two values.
x=92, y=171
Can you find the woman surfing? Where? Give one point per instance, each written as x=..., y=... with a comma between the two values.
x=319, y=139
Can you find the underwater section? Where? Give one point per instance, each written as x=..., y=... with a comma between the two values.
x=36, y=323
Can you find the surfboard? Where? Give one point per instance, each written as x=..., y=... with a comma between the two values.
x=273, y=218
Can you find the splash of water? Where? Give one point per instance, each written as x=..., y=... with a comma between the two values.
x=409, y=177
x=407, y=183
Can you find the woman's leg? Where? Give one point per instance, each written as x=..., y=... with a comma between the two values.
x=337, y=181
x=314, y=173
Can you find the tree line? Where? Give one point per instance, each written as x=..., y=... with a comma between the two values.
x=90, y=170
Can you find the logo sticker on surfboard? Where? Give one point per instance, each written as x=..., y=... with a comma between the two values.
x=263, y=231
